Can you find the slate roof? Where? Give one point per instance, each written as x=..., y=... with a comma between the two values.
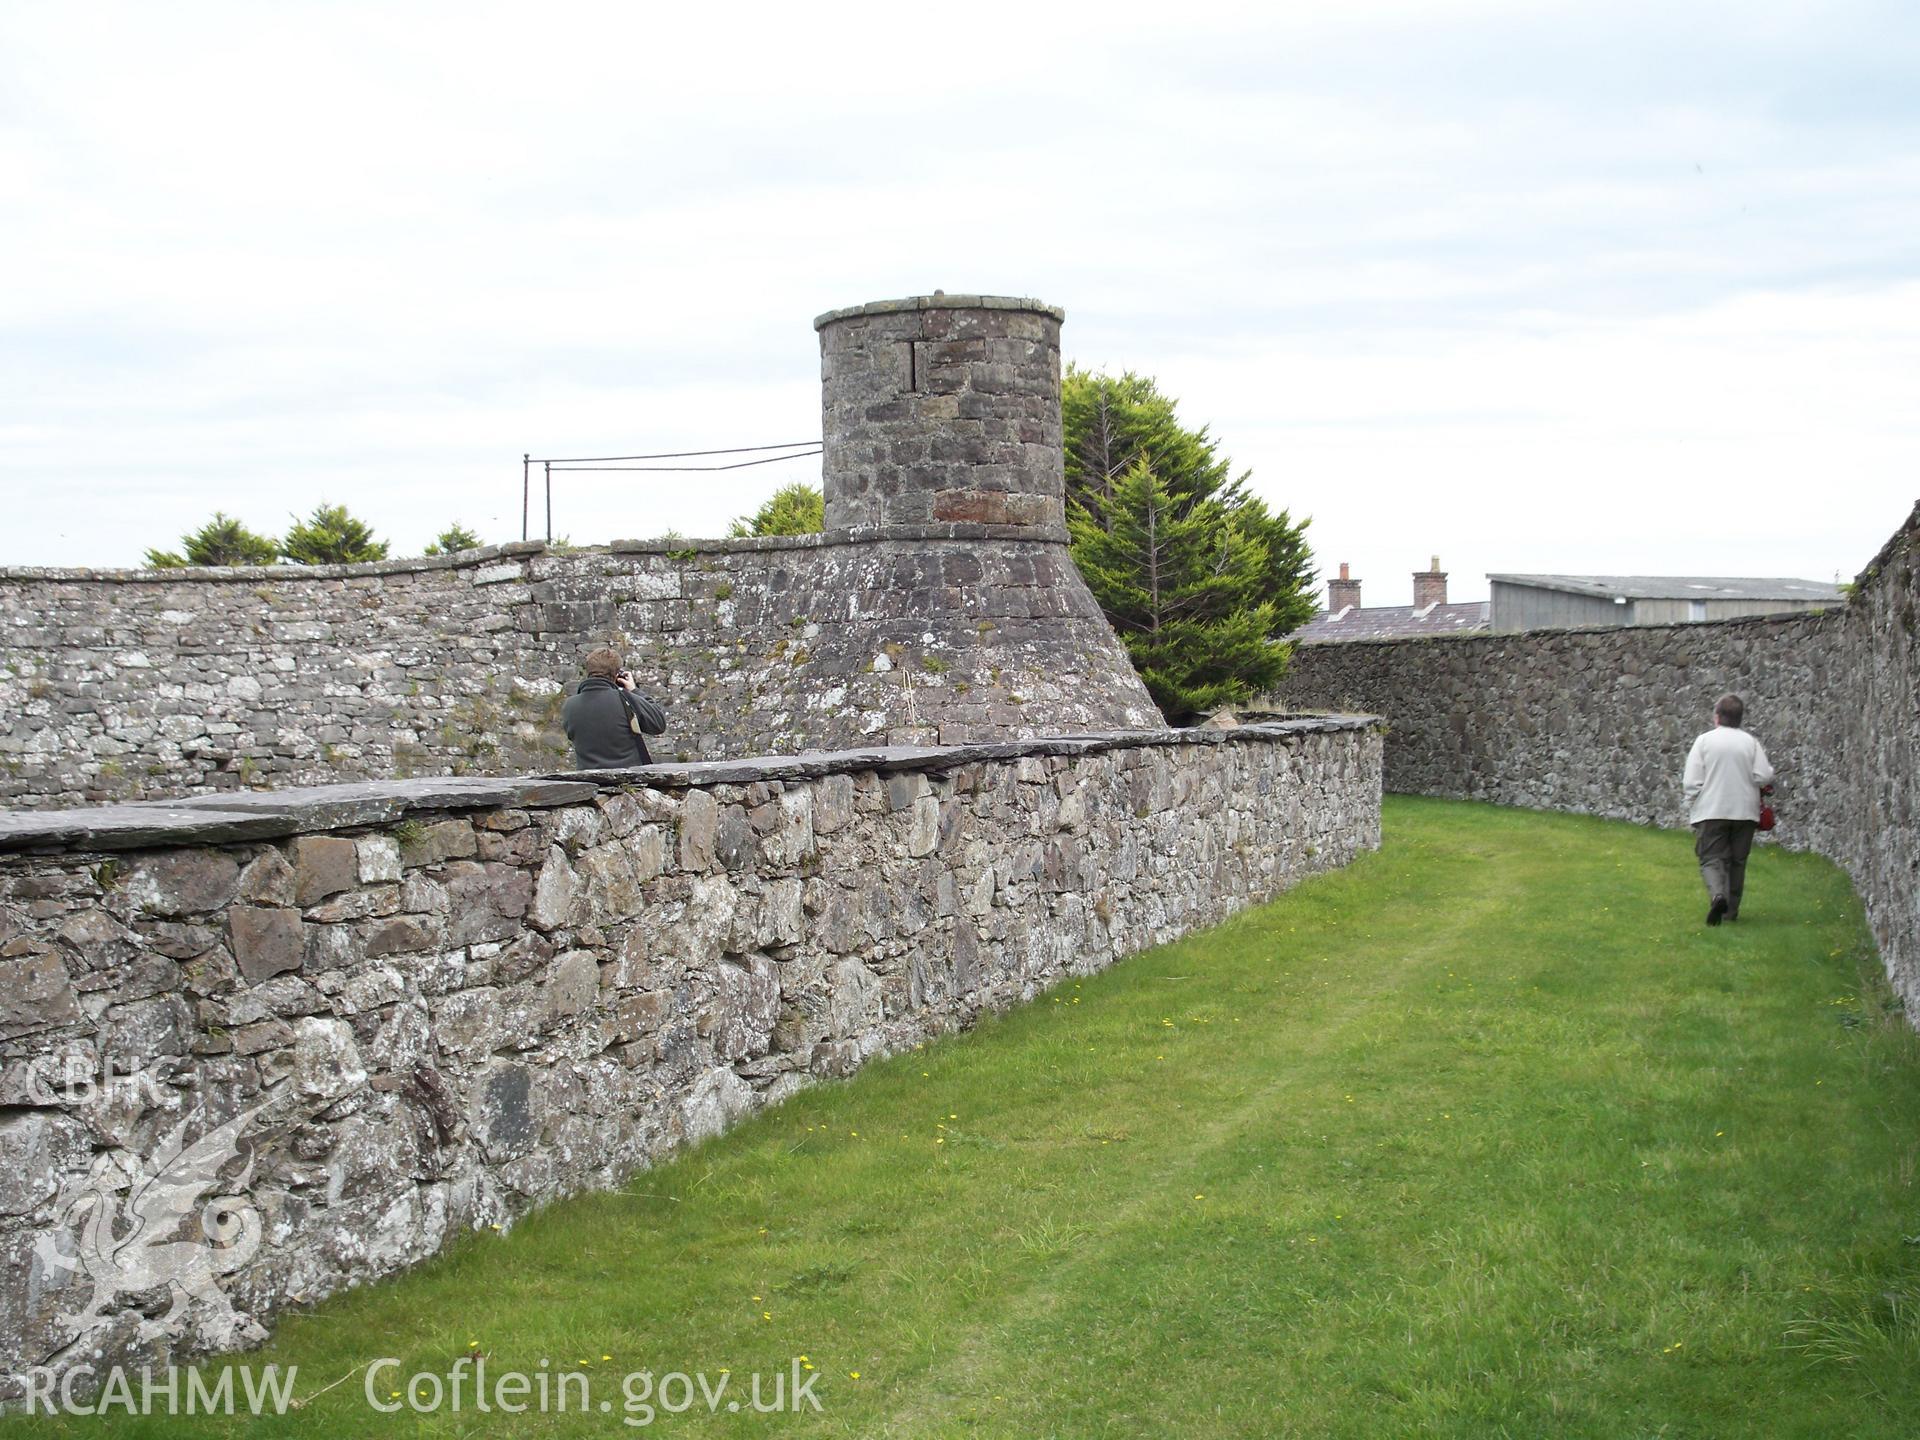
x=1392, y=622
x=1679, y=587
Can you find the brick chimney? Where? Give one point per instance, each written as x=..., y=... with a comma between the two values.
x=1343, y=592
x=1429, y=586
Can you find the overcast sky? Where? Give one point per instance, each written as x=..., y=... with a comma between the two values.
x=1592, y=288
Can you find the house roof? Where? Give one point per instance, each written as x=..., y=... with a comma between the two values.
x=1392, y=622
x=1678, y=587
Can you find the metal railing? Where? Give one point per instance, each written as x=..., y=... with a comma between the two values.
x=798, y=450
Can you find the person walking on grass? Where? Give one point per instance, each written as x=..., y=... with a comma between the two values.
x=1727, y=773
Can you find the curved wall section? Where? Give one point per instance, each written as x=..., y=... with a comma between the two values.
x=124, y=685
x=1600, y=721
x=422, y=1007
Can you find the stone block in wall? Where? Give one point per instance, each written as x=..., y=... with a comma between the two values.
x=443, y=840
x=260, y=1036
x=323, y=865
x=95, y=941
x=360, y=904
x=486, y=900
x=577, y=828
x=38, y=1149
x=180, y=882
x=467, y=1023
x=767, y=917
x=36, y=994
x=402, y=935
x=573, y=987
x=377, y=857
x=138, y=1034
x=735, y=846
x=266, y=941
x=552, y=891
x=505, y=1113
x=699, y=823
x=322, y=1064
x=267, y=880
x=741, y=1015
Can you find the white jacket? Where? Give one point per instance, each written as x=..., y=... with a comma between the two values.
x=1725, y=770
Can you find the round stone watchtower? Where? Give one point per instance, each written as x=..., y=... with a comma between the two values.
x=942, y=408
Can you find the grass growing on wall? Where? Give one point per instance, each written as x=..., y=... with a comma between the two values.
x=1485, y=1135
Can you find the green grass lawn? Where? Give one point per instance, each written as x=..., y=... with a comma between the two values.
x=1486, y=1135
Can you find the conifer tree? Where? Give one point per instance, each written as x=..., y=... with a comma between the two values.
x=1200, y=578
x=330, y=536
x=221, y=541
x=452, y=540
x=796, y=509
x=1183, y=586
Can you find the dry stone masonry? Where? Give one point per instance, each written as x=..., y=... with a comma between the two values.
x=943, y=408
x=1599, y=722
x=338, y=1025
x=419, y=1007
x=140, y=685
x=941, y=607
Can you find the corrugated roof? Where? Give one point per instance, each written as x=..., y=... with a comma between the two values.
x=1392, y=622
x=1679, y=587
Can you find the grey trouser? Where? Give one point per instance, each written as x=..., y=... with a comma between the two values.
x=1723, y=846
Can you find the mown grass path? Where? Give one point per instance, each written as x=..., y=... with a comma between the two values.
x=1487, y=1135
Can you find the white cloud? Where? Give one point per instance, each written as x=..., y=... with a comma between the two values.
x=1526, y=285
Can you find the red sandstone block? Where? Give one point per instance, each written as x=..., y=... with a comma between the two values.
x=978, y=506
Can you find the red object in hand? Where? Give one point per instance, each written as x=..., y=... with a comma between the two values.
x=1766, y=816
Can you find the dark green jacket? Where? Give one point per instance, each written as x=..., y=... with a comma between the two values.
x=597, y=717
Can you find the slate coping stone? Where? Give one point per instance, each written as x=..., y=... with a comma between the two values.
x=270, y=814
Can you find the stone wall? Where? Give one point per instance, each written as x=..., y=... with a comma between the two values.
x=374, y=1016
x=941, y=607
x=122, y=685
x=1600, y=721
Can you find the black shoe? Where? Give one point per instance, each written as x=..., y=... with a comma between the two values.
x=1716, y=912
